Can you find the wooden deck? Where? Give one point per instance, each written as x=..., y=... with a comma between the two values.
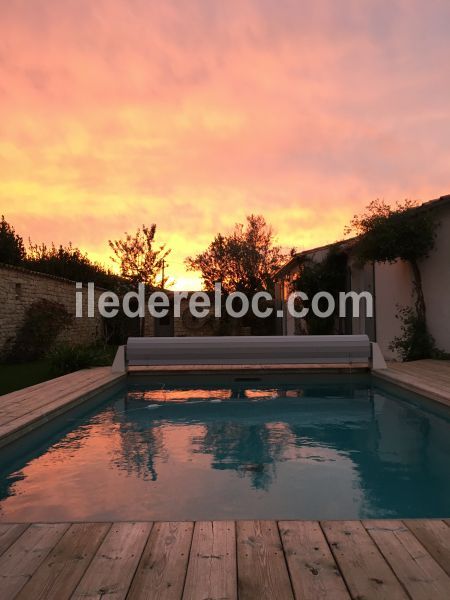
x=250, y=560
x=27, y=409
x=430, y=378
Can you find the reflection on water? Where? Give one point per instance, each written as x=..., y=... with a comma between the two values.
x=299, y=452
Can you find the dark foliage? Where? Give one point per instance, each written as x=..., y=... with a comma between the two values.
x=137, y=259
x=245, y=260
x=44, y=320
x=329, y=276
x=415, y=341
x=70, y=263
x=389, y=234
x=12, y=249
x=67, y=358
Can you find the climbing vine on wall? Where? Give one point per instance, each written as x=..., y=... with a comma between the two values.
x=406, y=232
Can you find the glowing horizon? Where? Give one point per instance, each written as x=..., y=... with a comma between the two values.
x=193, y=115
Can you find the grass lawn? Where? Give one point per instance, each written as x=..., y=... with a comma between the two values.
x=16, y=377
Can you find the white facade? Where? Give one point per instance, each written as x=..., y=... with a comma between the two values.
x=393, y=288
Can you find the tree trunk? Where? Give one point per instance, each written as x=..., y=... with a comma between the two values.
x=420, y=298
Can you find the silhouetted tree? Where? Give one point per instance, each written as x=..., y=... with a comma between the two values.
x=137, y=260
x=69, y=262
x=245, y=260
x=12, y=249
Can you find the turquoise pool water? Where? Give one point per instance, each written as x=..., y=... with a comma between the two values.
x=337, y=448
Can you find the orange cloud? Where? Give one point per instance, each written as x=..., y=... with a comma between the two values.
x=194, y=114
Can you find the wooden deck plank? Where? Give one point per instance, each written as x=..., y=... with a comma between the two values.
x=9, y=532
x=109, y=575
x=262, y=569
x=60, y=573
x=435, y=537
x=424, y=369
x=13, y=410
x=55, y=404
x=26, y=554
x=377, y=560
x=212, y=570
x=32, y=390
x=162, y=569
x=363, y=567
x=439, y=367
x=69, y=381
x=313, y=570
x=427, y=377
x=424, y=373
x=420, y=574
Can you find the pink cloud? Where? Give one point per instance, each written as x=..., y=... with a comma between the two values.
x=193, y=114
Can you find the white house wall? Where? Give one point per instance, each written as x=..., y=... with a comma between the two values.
x=436, y=283
x=362, y=281
x=393, y=286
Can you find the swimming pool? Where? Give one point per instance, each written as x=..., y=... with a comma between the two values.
x=298, y=447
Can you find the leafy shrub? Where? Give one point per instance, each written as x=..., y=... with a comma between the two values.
x=388, y=234
x=67, y=358
x=415, y=341
x=44, y=320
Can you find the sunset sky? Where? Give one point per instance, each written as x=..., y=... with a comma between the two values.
x=193, y=113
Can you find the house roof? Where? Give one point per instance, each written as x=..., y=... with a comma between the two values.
x=295, y=260
x=437, y=203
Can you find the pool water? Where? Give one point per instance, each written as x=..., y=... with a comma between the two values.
x=339, y=448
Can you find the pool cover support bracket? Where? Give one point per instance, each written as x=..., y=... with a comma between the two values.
x=378, y=361
x=119, y=363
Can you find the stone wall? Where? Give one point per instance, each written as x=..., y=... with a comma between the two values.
x=20, y=287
